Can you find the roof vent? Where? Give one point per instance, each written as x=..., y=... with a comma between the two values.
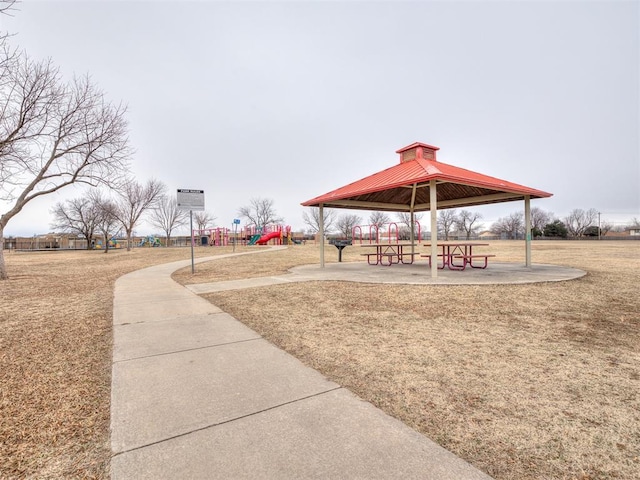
x=417, y=150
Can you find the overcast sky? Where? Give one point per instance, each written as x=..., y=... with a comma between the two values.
x=289, y=100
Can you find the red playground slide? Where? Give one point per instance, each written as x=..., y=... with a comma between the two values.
x=268, y=236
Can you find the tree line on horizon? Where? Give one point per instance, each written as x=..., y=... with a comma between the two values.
x=467, y=224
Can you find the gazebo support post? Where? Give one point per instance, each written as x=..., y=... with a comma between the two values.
x=321, y=232
x=413, y=231
x=412, y=217
x=527, y=230
x=433, y=207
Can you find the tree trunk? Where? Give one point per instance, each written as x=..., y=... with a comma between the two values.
x=129, y=240
x=89, y=236
x=3, y=267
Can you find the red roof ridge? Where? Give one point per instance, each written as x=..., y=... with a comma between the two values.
x=428, y=166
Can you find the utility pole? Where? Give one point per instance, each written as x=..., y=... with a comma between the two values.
x=598, y=225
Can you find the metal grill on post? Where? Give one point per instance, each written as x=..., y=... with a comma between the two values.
x=340, y=245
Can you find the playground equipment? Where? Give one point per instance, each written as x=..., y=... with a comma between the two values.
x=280, y=233
x=268, y=236
x=214, y=237
x=254, y=239
x=248, y=235
x=150, y=241
x=111, y=243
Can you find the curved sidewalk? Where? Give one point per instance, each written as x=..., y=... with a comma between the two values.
x=196, y=394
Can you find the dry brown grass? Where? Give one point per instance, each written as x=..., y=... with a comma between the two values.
x=55, y=359
x=529, y=381
x=524, y=381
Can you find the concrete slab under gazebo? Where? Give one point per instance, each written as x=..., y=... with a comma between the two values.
x=420, y=183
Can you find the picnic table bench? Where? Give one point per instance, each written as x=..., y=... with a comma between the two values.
x=450, y=252
x=468, y=260
x=428, y=256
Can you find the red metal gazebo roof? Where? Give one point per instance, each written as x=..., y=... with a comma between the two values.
x=406, y=184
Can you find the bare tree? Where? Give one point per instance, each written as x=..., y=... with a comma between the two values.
x=311, y=217
x=260, y=212
x=499, y=227
x=108, y=223
x=404, y=219
x=605, y=227
x=53, y=134
x=135, y=199
x=467, y=222
x=515, y=224
x=579, y=220
x=447, y=219
x=512, y=225
x=203, y=219
x=346, y=222
x=540, y=218
x=167, y=216
x=78, y=215
x=6, y=6
x=379, y=219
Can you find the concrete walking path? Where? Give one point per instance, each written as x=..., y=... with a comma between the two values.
x=196, y=394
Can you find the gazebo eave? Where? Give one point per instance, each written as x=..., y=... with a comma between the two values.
x=420, y=207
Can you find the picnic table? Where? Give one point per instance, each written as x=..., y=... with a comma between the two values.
x=389, y=253
x=459, y=255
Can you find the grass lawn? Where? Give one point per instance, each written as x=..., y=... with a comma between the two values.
x=523, y=381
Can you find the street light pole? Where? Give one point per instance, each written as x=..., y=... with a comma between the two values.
x=598, y=225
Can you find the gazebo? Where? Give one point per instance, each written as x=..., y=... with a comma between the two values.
x=420, y=183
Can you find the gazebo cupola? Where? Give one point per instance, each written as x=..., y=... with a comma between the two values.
x=417, y=150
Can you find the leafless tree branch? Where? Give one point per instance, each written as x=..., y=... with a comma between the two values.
x=134, y=200
x=467, y=222
x=54, y=134
x=78, y=215
x=311, y=218
x=167, y=216
x=446, y=221
x=579, y=220
x=260, y=212
x=203, y=219
x=346, y=222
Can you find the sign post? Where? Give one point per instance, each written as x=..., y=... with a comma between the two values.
x=236, y=222
x=191, y=200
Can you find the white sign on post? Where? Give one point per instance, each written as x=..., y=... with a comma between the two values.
x=190, y=199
